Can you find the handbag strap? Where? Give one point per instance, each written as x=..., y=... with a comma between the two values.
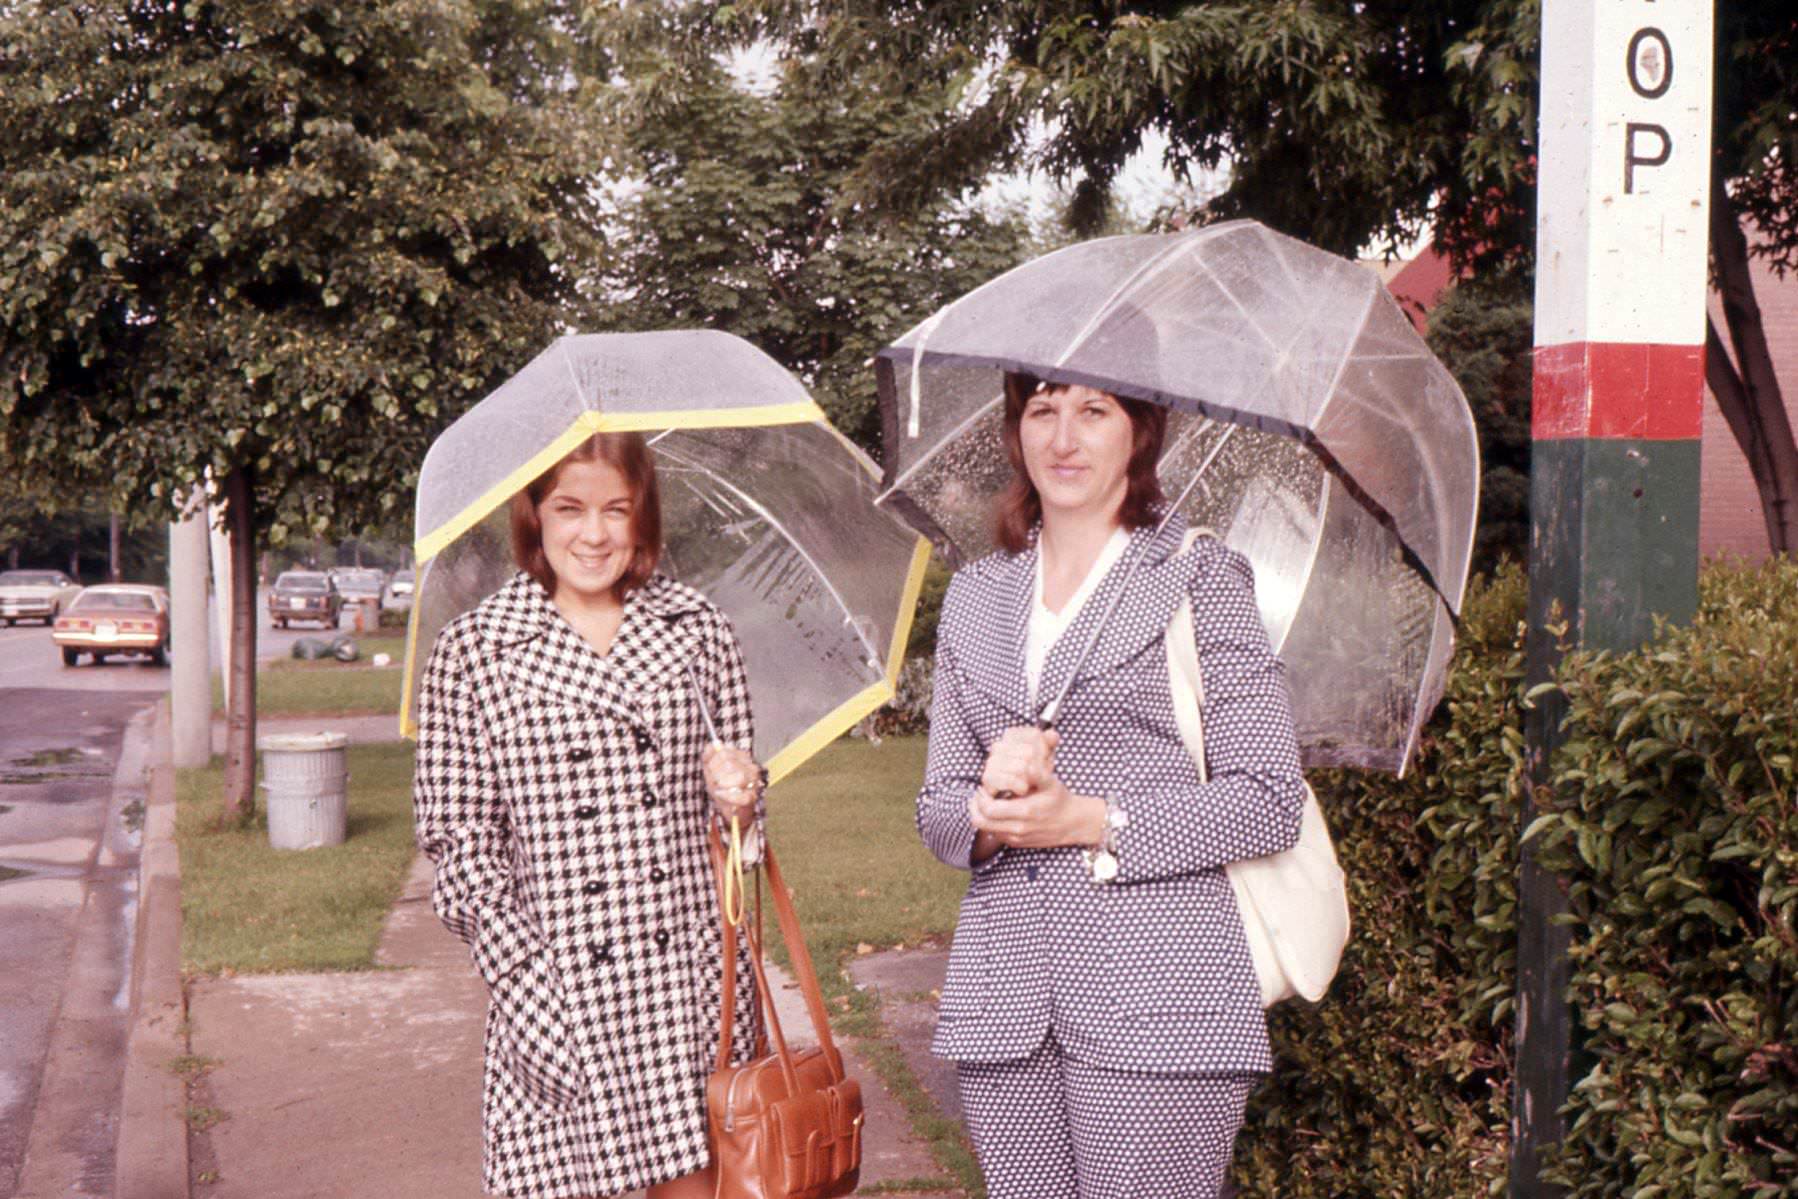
x=1183, y=649
x=803, y=970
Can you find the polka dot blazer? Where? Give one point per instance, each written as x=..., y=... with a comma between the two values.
x=1150, y=972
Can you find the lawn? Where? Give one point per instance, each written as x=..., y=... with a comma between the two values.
x=844, y=830
x=842, y=825
x=247, y=908
x=292, y=687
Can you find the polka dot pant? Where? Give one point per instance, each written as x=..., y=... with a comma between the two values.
x=1051, y=1127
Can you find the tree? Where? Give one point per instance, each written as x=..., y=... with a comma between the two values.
x=737, y=213
x=279, y=243
x=1482, y=332
x=1348, y=125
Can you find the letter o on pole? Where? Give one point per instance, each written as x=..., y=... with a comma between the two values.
x=1650, y=54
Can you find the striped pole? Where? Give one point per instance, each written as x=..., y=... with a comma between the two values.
x=1618, y=397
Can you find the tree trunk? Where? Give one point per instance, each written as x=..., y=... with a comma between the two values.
x=240, y=715
x=1748, y=392
x=113, y=574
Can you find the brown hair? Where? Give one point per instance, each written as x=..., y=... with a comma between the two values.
x=1020, y=507
x=629, y=454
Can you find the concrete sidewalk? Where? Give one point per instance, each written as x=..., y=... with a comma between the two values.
x=327, y=1085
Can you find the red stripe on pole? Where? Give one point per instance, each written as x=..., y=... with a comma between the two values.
x=1617, y=389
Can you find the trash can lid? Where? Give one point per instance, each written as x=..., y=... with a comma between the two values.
x=302, y=742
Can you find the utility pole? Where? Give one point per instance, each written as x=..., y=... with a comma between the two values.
x=1618, y=400
x=190, y=675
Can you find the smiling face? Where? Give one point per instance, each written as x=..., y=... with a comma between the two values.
x=588, y=535
x=1076, y=444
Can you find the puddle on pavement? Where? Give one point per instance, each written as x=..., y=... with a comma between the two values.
x=49, y=765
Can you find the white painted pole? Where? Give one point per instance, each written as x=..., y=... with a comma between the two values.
x=221, y=591
x=190, y=676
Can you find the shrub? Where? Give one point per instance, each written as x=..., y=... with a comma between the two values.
x=1672, y=815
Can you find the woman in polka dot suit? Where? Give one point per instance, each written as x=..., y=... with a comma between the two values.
x=1101, y=1004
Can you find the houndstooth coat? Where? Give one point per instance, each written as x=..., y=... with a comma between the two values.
x=560, y=796
x=1149, y=973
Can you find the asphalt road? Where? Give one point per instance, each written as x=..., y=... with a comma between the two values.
x=68, y=891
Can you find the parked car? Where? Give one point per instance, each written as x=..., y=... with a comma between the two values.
x=358, y=583
x=398, y=596
x=35, y=594
x=304, y=595
x=115, y=618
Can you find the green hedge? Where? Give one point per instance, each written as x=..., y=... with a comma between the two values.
x=1673, y=815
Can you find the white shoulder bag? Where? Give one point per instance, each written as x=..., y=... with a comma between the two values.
x=1294, y=904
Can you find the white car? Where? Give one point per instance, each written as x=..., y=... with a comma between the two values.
x=35, y=595
x=398, y=595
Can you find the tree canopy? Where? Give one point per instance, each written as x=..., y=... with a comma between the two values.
x=1350, y=125
x=736, y=209
x=280, y=236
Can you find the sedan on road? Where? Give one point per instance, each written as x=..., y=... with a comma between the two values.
x=304, y=595
x=35, y=594
x=398, y=596
x=113, y=619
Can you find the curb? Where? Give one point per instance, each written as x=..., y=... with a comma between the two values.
x=152, y=1146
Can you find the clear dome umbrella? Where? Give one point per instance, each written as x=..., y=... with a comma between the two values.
x=766, y=509
x=1311, y=429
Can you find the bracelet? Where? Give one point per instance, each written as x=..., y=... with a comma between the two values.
x=1102, y=859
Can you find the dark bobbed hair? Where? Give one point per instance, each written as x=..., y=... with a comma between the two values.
x=629, y=454
x=1020, y=507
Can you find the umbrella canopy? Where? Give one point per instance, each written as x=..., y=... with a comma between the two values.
x=766, y=510
x=1330, y=446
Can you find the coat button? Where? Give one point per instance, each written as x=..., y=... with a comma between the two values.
x=644, y=741
x=657, y=874
x=580, y=753
x=586, y=811
x=593, y=886
x=649, y=799
x=603, y=952
x=662, y=939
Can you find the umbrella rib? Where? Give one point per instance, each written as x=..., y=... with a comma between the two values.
x=568, y=364
x=749, y=501
x=944, y=440
x=1342, y=362
x=1248, y=318
x=1141, y=274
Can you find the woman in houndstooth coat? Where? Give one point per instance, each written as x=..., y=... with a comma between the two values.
x=563, y=789
x=1101, y=1005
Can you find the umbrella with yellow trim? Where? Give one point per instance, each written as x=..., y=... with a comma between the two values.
x=766, y=510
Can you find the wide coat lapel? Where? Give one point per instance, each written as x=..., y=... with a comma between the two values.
x=1001, y=617
x=542, y=654
x=1152, y=592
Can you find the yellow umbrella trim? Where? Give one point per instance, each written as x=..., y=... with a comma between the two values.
x=813, y=739
x=586, y=425
x=870, y=697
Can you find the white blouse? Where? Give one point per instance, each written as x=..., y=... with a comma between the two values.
x=1046, y=627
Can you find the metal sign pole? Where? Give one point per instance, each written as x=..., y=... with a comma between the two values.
x=1617, y=402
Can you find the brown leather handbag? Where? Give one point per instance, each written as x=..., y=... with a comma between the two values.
x=785, y=1125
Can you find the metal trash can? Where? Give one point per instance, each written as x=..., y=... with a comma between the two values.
x=305, y=775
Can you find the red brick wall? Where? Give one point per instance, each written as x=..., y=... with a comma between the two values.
x=1729, y=513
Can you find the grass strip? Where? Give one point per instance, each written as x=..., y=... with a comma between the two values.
x=844, y=826
x=250, y=909
x=336, y=688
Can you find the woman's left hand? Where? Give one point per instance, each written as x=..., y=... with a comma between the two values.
x=1044, y=817
x=733, y=780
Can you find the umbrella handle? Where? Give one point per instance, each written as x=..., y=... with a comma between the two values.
x=1043, y=725
x=733, y=876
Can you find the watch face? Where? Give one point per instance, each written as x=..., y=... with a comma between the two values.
x=1105, y=866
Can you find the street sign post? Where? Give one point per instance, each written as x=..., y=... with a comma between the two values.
x=1616, y=409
